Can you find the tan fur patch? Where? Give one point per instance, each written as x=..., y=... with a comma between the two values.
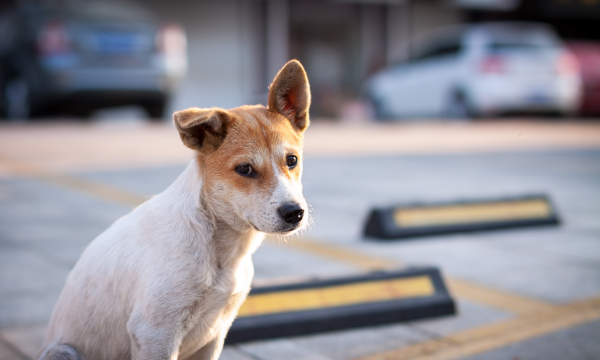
x=258, y=137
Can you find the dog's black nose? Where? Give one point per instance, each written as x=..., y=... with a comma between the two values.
x=291, y=213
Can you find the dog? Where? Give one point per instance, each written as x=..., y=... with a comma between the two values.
x=166, y=281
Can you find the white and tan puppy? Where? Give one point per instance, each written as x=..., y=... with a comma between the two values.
x=166, y=281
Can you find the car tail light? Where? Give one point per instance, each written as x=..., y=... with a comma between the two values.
x=170, y=40
x=53, y=39
x=492, y=65
x=567, y=64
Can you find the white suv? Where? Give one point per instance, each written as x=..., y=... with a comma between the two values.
x=481, y=70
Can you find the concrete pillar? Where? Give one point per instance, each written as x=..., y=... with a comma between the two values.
x=398, y=34
x=372, y=39
x=253, y=36
x=277, y=36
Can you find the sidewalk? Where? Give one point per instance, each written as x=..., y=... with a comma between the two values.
x=111, y=146
x=528, y=293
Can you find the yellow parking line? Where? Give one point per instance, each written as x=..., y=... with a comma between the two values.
x=100, y=191
x=494, y=336
x=15, y=352
x=496, y=298
x=462, y=289
x=535, y=318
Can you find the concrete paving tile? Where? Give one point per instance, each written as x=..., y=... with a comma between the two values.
x=28, y=272
x=466, y=257
x=574, y=260
x=281, y=349
x=534, y=236
x=273, y=260
x=565, y=247
x=43, y=230
x=233, y=353
x=28, y=340
x=577, y=343
x=584, y=221
x=27, y=309
x=390, y=180
x=56, y=224
x=542, y=282
x=144, y=181
x=469, y=315
x=56, y=203
x=417, y=250
x=348, y=344
x=64, y=254
x=53, y=221
x=6, y=353
x=340, y=206
x=337, y=227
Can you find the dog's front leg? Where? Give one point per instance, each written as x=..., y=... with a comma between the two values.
x=152, y=340
x=213, y=349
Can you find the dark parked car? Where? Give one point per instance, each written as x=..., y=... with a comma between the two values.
x=77, y=56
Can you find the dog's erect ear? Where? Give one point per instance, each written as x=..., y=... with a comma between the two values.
x=202, y=129
x=289, y=95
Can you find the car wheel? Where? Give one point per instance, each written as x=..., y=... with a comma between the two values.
x=155, y=110
x=17, y=100
x=457, y=107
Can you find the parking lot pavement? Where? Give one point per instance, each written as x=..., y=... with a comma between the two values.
x=523, y=293
x=578, y=343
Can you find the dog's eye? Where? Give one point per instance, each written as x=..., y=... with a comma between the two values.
x=245, y=170
x=292, y=161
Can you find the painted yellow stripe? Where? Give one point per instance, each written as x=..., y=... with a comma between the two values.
x=8, y=349
x=472, y=213
x=462, y=289
x=97, y=190
x=496, y=298
x=490, y=337
x=338, y=295
x=536, y=319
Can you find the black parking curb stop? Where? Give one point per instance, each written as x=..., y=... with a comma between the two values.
x=342, y=303
x=413, y=220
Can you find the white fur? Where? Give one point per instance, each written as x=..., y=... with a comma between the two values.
x=164, y=282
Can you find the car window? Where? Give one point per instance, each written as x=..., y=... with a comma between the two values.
x=92, y=10
x=514, y=45
x=438, y=51
x=520, y=37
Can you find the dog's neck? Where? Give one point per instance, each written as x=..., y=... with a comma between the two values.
x=229, y=244
x=233, y=245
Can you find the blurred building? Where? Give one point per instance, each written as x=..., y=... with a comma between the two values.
x=236, y=47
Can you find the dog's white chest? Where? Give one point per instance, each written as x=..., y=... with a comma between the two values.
x=225, y=300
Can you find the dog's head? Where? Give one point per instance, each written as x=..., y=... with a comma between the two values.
x=251, y=156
